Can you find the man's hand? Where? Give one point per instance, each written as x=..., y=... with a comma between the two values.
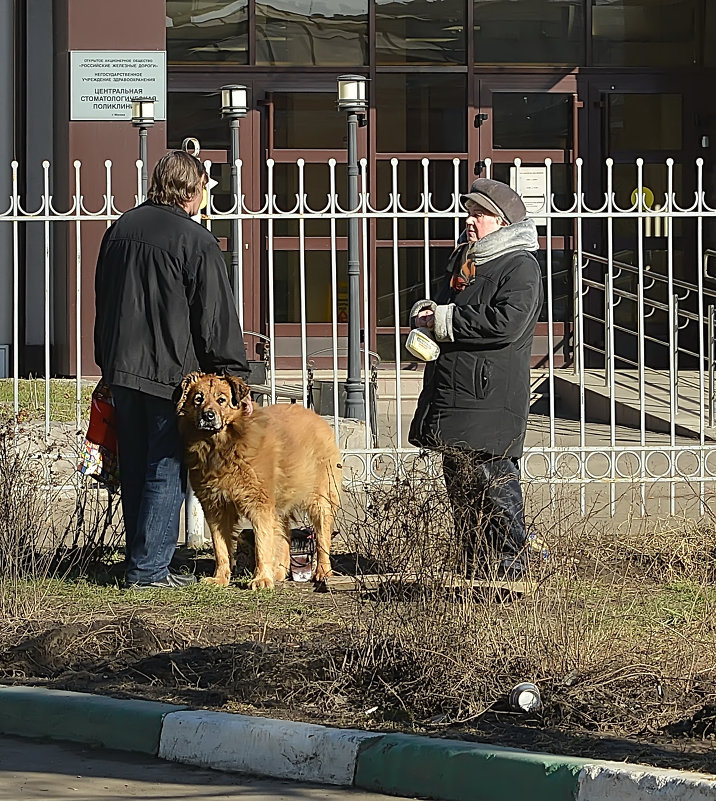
x=425, y=319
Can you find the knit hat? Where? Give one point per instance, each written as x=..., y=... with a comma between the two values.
x=497, y=198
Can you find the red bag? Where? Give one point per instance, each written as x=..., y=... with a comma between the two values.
x=98, y=454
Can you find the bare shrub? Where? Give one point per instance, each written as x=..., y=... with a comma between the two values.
x=45, y=530
x=595, y=631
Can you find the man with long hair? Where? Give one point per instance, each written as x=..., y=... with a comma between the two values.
x=164, y=308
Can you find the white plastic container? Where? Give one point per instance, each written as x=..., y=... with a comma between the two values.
x=421, y=344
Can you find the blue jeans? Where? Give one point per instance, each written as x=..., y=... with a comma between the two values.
x=152, y=479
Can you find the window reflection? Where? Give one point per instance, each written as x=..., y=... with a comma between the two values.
x=207, y=31
x=308, y=120
x=634, y=33
x=420, y=32
x=319, y=32
x=535, y=32
x=641, y=122
x=421, y=113
x=537, y=121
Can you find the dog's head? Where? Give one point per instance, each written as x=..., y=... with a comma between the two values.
x=209, y=403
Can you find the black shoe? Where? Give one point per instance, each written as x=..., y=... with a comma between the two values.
x=172, y=581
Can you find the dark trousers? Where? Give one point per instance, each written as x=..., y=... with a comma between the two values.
x=488, y=508
x=152, y=479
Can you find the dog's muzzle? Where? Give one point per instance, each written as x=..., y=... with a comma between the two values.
x=209, y=420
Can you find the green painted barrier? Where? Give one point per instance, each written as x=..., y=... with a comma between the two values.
x=94, y=719
x=402, y=764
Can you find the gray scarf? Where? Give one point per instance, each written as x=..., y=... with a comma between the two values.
x=508, y=239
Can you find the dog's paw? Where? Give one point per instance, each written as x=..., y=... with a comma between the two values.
x=322, y=572
x=261, y=583
x=216, y=581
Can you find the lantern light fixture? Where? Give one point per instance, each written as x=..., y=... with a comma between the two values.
x=142, y=112
x=352, y=93
x=234, y=101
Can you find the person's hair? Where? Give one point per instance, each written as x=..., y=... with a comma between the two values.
x=176, y=179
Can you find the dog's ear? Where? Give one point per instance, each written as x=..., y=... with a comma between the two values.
x=184, y=388
x=239, y=389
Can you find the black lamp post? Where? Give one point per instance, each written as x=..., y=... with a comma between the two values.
x=143, y=118
x=352, y=100
x=233, y=108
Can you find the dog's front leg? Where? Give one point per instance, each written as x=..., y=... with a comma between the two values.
x=265, y=524
x=221, y=526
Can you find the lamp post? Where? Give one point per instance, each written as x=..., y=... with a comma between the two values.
x=143, y=118
x=233, y=108
x=352, y=100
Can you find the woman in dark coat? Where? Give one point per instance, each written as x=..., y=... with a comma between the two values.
x=475, y=398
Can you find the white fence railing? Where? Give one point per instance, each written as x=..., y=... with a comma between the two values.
x=642, y=314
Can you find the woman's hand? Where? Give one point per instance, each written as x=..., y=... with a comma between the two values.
x=425, y=319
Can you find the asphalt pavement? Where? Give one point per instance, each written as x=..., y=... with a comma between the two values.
x=31, y=770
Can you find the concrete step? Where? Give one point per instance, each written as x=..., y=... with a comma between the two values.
x=628, y=402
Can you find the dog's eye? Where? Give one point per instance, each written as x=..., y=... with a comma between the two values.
x=198, y=399
x=221, y=400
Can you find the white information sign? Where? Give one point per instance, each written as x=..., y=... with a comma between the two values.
x=533, y=190
x=103, y=83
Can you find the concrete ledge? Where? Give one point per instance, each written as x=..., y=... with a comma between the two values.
x=94, y=719
x=277, y=748
x=609, y=781
x=402, y=764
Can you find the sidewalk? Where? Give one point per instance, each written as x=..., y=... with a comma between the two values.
x=396, y=764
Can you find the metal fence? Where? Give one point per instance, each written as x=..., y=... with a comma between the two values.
x=642, y=318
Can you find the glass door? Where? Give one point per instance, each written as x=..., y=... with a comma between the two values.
x=300, y=121
x=533, y=118
x=638, y=119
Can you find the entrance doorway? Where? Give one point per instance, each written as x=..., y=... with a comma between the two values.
x=301, y=132
x=629, y=119
x=534, y=118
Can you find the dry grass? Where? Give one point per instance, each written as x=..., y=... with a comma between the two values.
x=618, y=633
x=46, y=529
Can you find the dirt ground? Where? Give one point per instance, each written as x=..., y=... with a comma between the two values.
x=276, y=655
x=620, y=633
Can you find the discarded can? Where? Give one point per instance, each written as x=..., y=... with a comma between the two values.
x=525, y=697
x=303, y=549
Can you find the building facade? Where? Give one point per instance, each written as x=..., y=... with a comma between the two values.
x=474, y=80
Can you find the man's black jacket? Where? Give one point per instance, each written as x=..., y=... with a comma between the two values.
x=163, y=303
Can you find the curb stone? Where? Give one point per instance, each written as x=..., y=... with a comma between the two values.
x=83, y=718
x=278, y=748
x=396, y=764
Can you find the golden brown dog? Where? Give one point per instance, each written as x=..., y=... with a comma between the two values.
x=262, y=464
